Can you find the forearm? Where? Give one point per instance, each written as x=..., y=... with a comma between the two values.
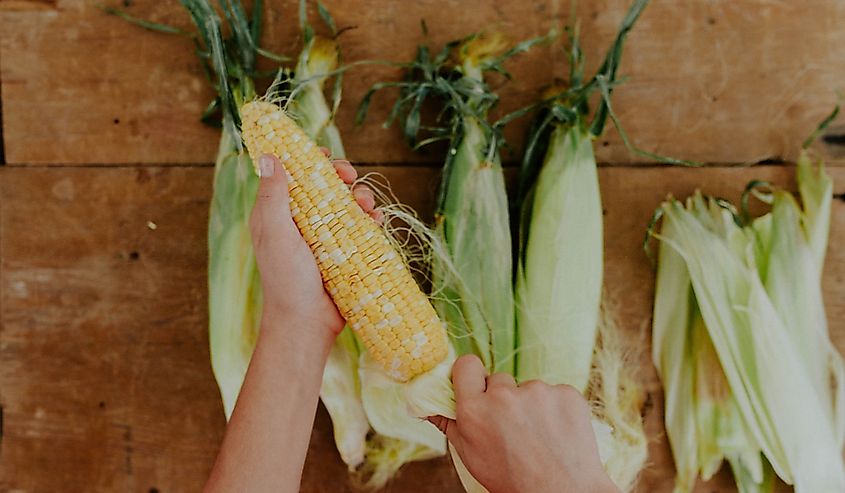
x=267, y=438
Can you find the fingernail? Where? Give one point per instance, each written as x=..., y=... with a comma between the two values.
x=266, y=166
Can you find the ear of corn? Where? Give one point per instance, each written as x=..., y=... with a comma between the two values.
x=374, y=456
x=558, y=284
x=366, y=277
x=474, y=293
x=566, y=332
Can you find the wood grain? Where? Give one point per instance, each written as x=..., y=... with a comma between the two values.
x=105, y=383
x=721, y=82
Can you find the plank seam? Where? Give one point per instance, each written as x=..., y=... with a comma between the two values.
x=2, y=140
x=398, y=164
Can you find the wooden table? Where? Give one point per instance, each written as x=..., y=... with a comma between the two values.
x=105, y=382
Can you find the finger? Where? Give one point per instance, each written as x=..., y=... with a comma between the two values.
x=468, y=377
x=501, y=380
x=273, y=185
x=365, y=197
x=345, y=170
x=272, y=205
x=378, y=216
x=326, y=151
x=446, y=426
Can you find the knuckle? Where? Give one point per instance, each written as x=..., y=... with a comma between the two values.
x=534, y=386
x=569, y=393
x=504, y=397
x=362, y=191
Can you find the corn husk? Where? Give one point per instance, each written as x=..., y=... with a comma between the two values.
x=757, y=289
x=558, y=284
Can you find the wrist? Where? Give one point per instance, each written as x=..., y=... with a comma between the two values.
x=280, y=328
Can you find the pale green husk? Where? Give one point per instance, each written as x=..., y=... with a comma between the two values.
x=738, y=317
x=475, y=295
x=558, y=283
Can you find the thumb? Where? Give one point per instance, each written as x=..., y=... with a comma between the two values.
x=272, y=187
x=271, y=215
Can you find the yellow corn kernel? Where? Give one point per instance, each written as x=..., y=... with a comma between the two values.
x=373, y=290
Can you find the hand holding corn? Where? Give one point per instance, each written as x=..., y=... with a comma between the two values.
x=289, y=276
x=267, y=437
x=364, y=275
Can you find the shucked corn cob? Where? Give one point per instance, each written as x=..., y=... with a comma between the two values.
x=368, y=281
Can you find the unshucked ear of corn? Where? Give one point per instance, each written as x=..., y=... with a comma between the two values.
x=559, y=279
x=566, y=333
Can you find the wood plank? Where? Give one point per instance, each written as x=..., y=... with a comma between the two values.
x=723, y=82
x=105, y=383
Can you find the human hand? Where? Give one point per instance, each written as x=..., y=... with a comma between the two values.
x=290, y=279
x=518, y=439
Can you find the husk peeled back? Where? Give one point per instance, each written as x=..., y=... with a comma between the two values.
x=617, y=398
